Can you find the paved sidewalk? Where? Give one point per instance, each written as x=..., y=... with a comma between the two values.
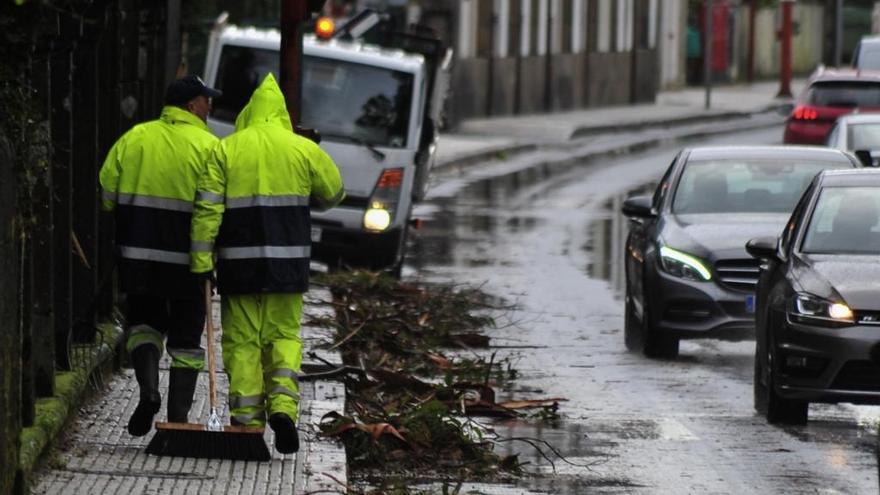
x=480, y=139
x=98, y=456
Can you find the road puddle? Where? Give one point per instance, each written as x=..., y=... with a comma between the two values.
x=607, y=238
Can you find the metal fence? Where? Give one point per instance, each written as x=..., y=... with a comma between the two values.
x=99, y=68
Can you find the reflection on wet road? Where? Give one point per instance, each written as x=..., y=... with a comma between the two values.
x=550, y=240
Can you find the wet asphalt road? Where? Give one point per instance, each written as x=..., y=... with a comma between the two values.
x=551, y=241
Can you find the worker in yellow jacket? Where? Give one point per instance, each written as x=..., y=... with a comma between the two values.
x=252, y=209
x=149, y=182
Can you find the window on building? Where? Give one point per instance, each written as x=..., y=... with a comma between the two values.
x=502, y=27
x=526, y=14
x=603, y=26
x=624, y=25
x=543, y=7
x=467, y=29
x=579, y=26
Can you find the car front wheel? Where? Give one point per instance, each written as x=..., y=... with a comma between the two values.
x=777, y=409
x=633, y=335
x=656, y=344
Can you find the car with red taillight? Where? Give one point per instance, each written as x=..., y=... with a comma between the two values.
x=831, y=93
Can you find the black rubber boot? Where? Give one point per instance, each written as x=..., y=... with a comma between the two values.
x=145, y=359
x=181, y=387
x=286, y=438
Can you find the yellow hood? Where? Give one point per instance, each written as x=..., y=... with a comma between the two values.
x=266, y=106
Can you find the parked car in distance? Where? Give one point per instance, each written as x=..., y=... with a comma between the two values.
x=829, y=94
x=866, y=55
x=687, y=271
x=818, y=300
x=858, y=133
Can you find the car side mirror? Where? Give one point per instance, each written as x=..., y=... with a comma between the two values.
x=638, y=207
x=865, y=157
x=785, y=109
x=763, y=248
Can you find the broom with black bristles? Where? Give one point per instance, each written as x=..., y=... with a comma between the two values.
x=211, y=440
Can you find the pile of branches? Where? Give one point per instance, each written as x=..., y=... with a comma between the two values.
x=409, y=403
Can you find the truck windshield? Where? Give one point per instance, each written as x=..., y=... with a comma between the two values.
x=370, y=104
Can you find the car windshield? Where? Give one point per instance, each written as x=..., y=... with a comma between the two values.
x=869, y=59
x=864, y=136
x=844, y=94
x=846, y=220
x=739, y=186
x=346, y=100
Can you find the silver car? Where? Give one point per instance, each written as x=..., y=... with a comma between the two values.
x=859, y=134
x=866, y=56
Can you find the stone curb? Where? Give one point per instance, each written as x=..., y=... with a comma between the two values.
x=585, y=131
x=52, y=413
x=507, y=151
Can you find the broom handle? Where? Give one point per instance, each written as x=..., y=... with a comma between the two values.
x=209, y=323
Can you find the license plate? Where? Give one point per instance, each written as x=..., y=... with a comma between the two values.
x=750, y=304
x=316, y=234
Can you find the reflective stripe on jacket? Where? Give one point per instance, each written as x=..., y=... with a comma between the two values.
x=149, y=180
x=252, y=204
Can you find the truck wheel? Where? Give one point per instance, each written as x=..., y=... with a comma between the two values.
x=396, y=269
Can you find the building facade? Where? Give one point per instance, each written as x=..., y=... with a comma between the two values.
x=526, y=56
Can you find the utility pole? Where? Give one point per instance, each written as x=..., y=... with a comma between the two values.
x=707, y=52
x=785, y=55
x=293, y=17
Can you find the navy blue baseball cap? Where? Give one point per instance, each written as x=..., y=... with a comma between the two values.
x=186, y=88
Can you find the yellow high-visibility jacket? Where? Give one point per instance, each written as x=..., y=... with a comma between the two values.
x=252, y=204
x=149, y=181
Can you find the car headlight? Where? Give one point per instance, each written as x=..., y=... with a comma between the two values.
x=808, y=308
x=683, y=265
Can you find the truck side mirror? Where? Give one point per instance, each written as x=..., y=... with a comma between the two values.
x=308, y=132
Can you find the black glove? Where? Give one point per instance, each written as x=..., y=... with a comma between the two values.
x=206, y=277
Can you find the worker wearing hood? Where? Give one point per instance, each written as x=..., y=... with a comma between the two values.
x=252, y=210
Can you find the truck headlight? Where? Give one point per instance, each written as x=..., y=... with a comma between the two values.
x=683, y=265
x=377, y=219
x=383, y=201
x=807, y=308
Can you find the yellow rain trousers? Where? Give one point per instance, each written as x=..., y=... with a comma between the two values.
x=251, y=212
x=262, y=353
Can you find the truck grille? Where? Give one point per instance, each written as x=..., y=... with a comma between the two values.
x=741, y=275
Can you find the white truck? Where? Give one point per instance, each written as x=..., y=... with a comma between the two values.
x=378, y=110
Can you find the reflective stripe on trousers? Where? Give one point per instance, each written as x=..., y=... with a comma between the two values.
x=139, y=335
x=262, y=354
x=187, y=358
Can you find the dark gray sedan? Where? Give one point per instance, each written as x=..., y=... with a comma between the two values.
x=687, y=271
x=818, y=300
